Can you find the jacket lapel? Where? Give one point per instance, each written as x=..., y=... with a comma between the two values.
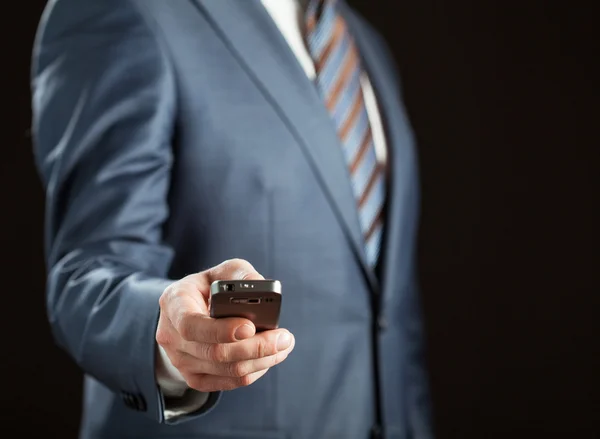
x=256, y=41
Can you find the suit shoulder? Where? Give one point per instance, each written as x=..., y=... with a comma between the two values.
x=92, y=14
x=87, y=29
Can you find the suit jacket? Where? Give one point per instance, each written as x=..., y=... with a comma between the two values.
x=173, y=135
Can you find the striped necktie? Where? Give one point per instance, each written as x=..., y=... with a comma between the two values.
x=338, y=79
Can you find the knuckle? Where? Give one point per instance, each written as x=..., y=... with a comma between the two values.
x=241, y=265
x=202, y=350
x=186, y=325
x=217, y=352
x=184, y=287
x=275, y=359
x=174, y=290
x=196, y=382
x=214, y=331
x=245, y=380
x=262, y=348
x=238, y=261
x=167, y=294
x=162, y=300
x=178, y=360
x=163, y=337
x=178, y=290
x=238, y=369
x=186, y=331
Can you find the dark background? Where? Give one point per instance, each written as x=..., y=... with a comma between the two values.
x=502, y=99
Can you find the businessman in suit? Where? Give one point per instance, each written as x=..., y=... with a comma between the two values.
x=259, y=138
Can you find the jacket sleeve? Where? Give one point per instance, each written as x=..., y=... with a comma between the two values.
x=103, y=115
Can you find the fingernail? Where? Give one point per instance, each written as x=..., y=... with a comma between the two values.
x=244, y=332
x=284, y=341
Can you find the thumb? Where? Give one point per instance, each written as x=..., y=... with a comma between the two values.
x=234, y=269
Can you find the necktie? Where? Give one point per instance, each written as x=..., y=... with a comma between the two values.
x=338, y=72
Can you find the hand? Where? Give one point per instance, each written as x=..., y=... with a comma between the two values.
x=216, y=354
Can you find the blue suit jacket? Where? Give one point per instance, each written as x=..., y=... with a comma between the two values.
x=173, y=135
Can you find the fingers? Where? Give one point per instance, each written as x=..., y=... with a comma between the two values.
x=216, y=354
x=214, y=383
x=233, y=269
x=181, y=299
x=237, y=369
x=210, y=376
x=197, y=286
x=200, y=328
x=186, y=308
x=261, y=345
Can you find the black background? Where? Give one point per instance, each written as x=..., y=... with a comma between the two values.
x=504, y=104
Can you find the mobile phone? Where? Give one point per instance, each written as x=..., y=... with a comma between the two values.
x=256, y=300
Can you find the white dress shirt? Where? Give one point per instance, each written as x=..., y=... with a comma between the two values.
x=288, y=15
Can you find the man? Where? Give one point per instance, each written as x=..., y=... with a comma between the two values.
x=260, y=138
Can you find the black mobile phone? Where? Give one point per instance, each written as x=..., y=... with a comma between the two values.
x=256, y=300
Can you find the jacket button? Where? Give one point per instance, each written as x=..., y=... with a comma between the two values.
x=382, y=323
